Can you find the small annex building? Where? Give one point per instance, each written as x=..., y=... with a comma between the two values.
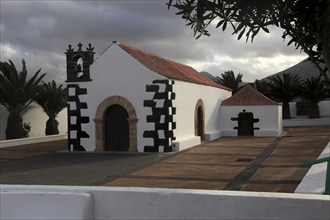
x=249, y=112
x=131, y=100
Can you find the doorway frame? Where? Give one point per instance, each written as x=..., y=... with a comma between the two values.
x=100, y=122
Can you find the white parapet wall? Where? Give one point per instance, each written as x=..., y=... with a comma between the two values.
x=46, y=205
x=17, y=201
x=314, y=180
x=31, y=140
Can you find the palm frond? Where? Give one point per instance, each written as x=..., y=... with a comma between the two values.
x=285, y=88
x=52, y=98
x=16, y=91
x=314, y=90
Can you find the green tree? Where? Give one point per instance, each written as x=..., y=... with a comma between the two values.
x=284, y=89
x=306, y=23
x=16, y=93
x=52, y=99
x=314, y=91
x=229, y=80
x=263, y=87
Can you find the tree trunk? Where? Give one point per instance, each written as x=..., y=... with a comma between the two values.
x=326, y=57
x=52, y=126
x=14, y=126
x=314, y=111
x=286, y=111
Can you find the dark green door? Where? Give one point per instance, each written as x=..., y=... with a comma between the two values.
x=116, y=129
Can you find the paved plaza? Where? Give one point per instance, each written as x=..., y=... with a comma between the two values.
x=269, y=164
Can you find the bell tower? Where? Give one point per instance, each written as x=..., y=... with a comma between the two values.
x=78, y=74
x=78, y=63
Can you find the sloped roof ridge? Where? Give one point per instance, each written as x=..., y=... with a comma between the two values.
x=135, y=48
x=147, y=52
x=168, y=68
x=248, y=95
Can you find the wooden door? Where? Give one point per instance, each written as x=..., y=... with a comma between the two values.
x=245, y=124
x=200, y=123
x=116, y=129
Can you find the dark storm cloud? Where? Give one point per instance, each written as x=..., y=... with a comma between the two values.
x=40, y=31
x=43, y=24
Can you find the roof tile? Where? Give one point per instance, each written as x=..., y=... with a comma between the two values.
x=168, y=68
x=248, y=95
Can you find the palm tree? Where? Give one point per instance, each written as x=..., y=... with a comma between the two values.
x=284, y=89
x=263, y=87
x=314, y=91
x=52, y=99
x=16, y=93
x=229, y=80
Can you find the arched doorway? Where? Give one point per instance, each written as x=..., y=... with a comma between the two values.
x=199, y=120
x=116, y=129
x=100, y=124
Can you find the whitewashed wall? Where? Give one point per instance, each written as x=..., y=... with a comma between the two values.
x=37, y=118
x=187, y=96
x=270, y=119
x=116, y=73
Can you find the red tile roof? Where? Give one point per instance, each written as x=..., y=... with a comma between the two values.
x=248, y=95
x=168, y=68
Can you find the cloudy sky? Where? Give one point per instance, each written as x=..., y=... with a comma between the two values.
x=40, y=31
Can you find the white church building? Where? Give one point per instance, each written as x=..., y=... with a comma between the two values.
x=131, y=100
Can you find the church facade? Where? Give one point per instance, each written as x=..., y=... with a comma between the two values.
x=131, y=100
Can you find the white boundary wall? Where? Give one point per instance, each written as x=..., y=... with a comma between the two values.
x=296, y=121
x=31, y=140
x=324, y=107
x=74, y=202
x=35, y=115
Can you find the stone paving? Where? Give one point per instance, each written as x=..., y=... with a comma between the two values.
x=30, y=150
x=270, y=164
x=237, y=163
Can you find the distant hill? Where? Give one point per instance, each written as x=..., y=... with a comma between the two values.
x=210, y=76
x=305, y=69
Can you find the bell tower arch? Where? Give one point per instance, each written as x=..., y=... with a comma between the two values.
x=78, y=63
